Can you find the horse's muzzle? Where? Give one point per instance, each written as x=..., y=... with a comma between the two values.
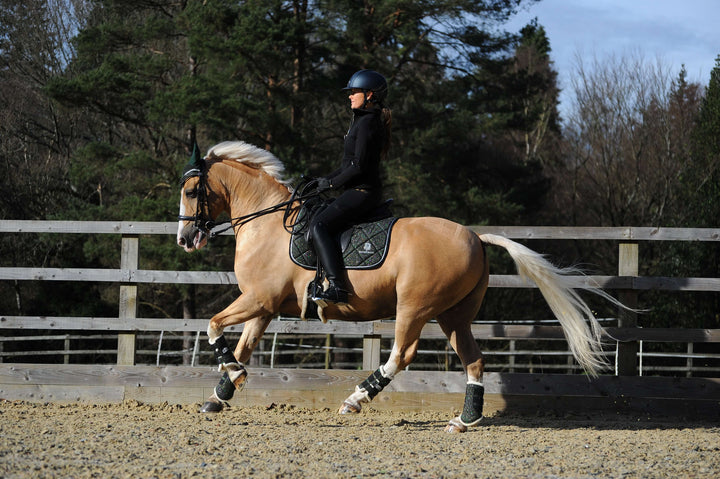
x=191, y=238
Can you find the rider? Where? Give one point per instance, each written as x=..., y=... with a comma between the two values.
x=358, y=177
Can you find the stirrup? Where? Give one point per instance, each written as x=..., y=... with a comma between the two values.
x=333, y=294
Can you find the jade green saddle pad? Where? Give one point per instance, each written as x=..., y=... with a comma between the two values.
x=364, y=245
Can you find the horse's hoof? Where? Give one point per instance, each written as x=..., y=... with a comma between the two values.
x=349, y=408
x=211, y=406
x=455, y=427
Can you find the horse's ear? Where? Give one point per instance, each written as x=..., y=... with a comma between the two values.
x=195, y=166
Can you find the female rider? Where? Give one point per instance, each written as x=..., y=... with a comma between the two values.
x=358, y=178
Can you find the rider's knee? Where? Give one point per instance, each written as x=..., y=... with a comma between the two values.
x=318, y=227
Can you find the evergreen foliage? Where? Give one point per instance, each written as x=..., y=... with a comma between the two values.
x=100, y=111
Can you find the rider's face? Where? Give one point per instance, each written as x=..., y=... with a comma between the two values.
x=357, y=98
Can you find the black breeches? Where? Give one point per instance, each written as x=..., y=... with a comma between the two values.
x=341, y=213
x=345, y=210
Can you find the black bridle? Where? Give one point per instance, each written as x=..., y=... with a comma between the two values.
x=202, y=221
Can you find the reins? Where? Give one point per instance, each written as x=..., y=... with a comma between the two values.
x=298, y=194
x=239, y=221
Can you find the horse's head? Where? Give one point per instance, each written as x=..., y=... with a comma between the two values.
x=248, y=181
x=197, y=214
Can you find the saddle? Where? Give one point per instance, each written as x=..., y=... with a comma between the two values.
x=364, y=245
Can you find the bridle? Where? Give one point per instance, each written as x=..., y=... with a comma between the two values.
x=202, y=221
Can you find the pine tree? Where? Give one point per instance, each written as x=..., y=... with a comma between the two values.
x=703, y=188
x=706, y=181
x=127, y=57
x=152, y=76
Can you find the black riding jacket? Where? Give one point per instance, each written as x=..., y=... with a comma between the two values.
x=360, y=167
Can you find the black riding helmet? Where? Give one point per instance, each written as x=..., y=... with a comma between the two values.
x=369, y=80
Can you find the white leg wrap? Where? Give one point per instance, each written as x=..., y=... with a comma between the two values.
x=358, y=397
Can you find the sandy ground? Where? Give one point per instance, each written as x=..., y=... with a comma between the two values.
x=167, y=441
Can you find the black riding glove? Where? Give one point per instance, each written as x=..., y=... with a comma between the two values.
x=323, y=184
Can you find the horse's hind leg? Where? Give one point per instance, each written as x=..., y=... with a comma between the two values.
x=473, y=363
x=234, y=375
x=404, y=351
x=456, y=324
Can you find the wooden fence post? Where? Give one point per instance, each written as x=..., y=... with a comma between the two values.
x=129, y=260
x=328, y=343
x=627, y=351
x=371, y=351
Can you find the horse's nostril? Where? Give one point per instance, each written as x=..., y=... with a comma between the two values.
x=181, y=241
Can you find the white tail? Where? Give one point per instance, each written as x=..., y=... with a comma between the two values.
x=582, y=330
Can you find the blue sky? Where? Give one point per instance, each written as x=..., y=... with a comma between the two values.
x=676, y=32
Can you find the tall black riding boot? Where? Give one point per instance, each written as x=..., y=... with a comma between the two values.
x=330, y=257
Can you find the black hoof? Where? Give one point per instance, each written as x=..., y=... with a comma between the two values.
x=211, y=406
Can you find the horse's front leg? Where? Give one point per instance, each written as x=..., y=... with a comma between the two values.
x=245, y=308
x=230, y=363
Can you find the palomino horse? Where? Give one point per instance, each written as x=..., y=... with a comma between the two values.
x=434, y=269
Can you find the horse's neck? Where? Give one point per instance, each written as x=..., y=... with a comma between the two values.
x=250, y=190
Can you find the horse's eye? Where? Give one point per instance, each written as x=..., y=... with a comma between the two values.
x=191, y=193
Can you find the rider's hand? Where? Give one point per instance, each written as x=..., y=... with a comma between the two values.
x=323, y=184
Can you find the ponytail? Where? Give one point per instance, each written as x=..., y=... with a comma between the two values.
x=386, y=117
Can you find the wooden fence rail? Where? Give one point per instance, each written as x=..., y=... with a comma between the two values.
x=129, y=275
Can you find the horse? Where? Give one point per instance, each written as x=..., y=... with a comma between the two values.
x=435, y=268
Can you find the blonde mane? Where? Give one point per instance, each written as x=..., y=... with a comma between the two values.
x=251, y=155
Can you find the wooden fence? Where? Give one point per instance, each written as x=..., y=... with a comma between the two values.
x=625, y=391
